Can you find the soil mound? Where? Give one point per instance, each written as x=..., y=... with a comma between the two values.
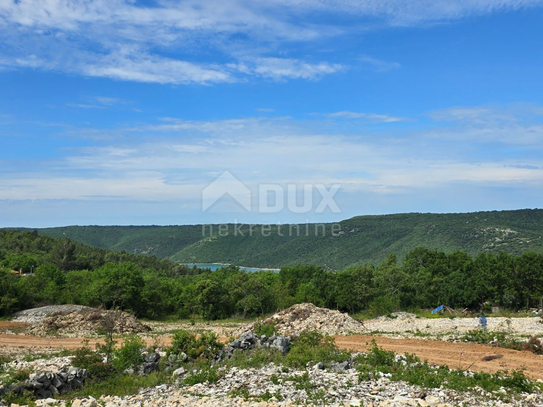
x=308, y=317
x=79, y=321
x=34, y=315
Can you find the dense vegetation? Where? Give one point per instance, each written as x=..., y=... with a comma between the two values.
x=361, y=240
x=66, y=272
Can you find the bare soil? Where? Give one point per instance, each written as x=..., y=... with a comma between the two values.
x=455, y=355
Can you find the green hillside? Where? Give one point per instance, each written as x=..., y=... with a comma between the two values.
x=361, y=240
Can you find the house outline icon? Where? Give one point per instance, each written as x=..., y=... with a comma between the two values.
x=226, y=184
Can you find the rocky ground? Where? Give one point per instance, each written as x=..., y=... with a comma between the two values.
x=270, y=385
x=37, y=315
x=75, y=321
x=406, y=325
x=273, y=386
x=308, y=317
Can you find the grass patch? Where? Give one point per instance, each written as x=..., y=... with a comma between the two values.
x=502, y=339
x=255, y=358
x=118, y=385
x=203, y=373
x=412, y=370
x=312, y=347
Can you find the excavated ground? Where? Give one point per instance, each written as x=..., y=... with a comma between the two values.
x=454, y=355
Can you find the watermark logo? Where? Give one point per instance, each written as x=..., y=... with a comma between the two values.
x=272, y=198
x=226, y=184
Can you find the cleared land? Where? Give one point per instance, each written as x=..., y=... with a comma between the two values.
x=455, y=355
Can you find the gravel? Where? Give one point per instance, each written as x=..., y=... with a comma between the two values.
x=405, y=325
x=283, y=389
x=35, y=315
x=308, y=317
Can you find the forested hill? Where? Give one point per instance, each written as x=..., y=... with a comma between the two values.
x=361, y=240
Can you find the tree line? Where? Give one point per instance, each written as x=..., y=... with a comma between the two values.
x=67, y=272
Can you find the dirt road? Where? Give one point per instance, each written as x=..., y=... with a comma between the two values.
x=454, y=355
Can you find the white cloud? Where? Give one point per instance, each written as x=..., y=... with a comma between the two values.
x=286, y=68
x=125, y=40
x=379, y=65
x=371, y=117
x=154, y=69
x=512, y=124
x=413, y=12
x=184, y=159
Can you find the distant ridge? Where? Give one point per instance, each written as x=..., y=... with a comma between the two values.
x=361, y=240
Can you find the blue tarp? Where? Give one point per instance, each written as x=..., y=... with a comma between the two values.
x=437, y=309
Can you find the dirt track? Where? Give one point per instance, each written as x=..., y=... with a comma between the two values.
x=455, y=355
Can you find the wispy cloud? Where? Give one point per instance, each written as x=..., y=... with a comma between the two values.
x=130, y=41
x=285, y=68
x=378, y=64
x=192, y=152
x=519, y=124
x=371, y=117
x=99, y=102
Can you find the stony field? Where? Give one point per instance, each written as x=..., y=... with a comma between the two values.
x=27, y=346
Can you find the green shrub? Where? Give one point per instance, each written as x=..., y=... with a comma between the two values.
x=3, y=360
x=498, y=338
x=206, y=346
x=268, y=329
x=16, y=376
x=255, y=358
x=118, y=385
x=312, y=347
x=86, y=358
x=129, y=354
x=25, y=399
x=415, y=372
x=203, y=373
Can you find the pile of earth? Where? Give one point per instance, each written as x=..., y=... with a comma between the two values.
x=308, y=317
x=77, y=321
x=34, y=315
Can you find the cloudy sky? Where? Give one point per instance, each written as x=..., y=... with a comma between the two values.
x=124, y=111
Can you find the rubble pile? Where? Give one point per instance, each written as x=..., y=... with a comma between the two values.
x=79, y=321
x=45, y=385
x=308, y=317
x=250, y=340
x=35, y=315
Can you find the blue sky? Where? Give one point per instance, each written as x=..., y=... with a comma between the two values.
x=123, y=112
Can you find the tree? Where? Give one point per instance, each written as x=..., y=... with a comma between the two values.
x=212, y=300
x=529, y=276
x=118, y=286
x=63, y=255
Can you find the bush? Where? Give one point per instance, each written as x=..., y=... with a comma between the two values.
x=497, y=338
x=203, y=373
x=312, y=347
x=86, y=358
x=206, y=346
x=255, y=358
x=268, y=329
x=129, y=354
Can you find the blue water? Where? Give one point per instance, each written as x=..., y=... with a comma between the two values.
x=217, y=266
